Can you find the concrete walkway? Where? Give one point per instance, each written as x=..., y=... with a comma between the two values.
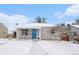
x=36, y=49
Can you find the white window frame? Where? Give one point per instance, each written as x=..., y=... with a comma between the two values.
x=24, y=32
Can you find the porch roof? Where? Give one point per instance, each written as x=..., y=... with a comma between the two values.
x=35, y=25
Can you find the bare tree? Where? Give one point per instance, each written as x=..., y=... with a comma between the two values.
x=44, y=20
x=60, y=28
x=40, y=19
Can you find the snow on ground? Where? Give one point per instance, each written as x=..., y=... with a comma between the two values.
x=42, y=47
x=15, y=47
x=60, y=48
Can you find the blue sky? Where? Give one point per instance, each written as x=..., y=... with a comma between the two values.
x=55, y=13
x=32, y=11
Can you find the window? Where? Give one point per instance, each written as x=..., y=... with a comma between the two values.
x=4, y=32
x=24, y=32
x=74, y=33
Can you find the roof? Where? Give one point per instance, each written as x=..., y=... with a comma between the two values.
x=3, y=26
x=35, y=25
x=76, y=26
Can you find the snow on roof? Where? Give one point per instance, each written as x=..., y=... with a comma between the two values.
x=35, y=25
x=2, y=25
x=76, y=26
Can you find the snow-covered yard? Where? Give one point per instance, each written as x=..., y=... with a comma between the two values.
x=42, y=47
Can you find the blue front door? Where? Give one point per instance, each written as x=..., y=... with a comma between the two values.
x=33, y=33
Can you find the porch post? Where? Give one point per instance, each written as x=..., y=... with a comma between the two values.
x=40, y=34
x=17, y=33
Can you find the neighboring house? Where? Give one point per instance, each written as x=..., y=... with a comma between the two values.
x=34, y=31
x=3, y=31
x=74, y=31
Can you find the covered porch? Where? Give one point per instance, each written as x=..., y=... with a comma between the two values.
x=29, y=33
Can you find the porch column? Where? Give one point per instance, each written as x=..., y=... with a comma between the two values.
x=40, y=34
x=17, y=33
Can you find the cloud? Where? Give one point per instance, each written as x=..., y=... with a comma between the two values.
x=59, y=15
x=72, y=10
x=11, y=20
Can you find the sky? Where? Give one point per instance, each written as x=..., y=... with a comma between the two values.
x=11, y=14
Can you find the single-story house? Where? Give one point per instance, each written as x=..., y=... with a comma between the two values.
x=34, y=31
x=3, y=31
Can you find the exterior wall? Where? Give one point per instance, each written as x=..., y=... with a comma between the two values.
x=43, y=33
x=19, y=36
x=29, y=36
x=3, y=31
x=46, y=34
x=73, y=29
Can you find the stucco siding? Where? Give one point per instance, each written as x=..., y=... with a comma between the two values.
x=20, y=36
x=46, y=34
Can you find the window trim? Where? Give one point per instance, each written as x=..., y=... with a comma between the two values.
x=24, y=32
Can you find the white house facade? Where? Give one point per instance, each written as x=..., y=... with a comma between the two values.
x=34, y=31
